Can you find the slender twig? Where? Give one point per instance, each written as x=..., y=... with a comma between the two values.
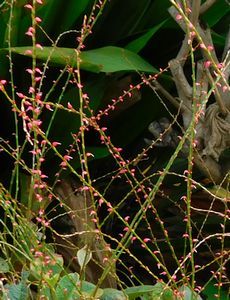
x=156, y=85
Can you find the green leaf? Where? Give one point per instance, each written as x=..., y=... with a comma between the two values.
x=211, y=289
x=106, y=59
x=112, y=294
x=216, y=12
x=49, y=12
x=67, y=287
x=4, y=266
x=84, y=255
x=218, y=39
x=72, y=12
x=18, y=291
x=188, y=294
x=11, y=17
x=45, y=291
x=71, y=288
x=114, y=59
x=110, y=29
x=138, y=44
x=151, y=291
x=88, y=289
x=38, y=269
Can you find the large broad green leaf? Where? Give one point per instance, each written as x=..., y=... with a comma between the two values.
x=10, y=17
x=18, y=291
x=113, y=59
x=112, y=294
x=67, y=11
x=211, y=290
x=216, y=12
x=153, y=292
x=71, y=288
x=138, y=44
x=218, y=39
x=72, y=12
x=106, y=59
x=67, y=287
x=49, y=12
x=157, y=13
x=120, y=20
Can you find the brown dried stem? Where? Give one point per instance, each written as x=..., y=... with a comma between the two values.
x=217, y=128
x=205, y=6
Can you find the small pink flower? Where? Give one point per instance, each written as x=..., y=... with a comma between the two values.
x=39, y=46
x=30, y=71
x=38, y=20
x=207, y=64
x=79, y=85
x=88, y=154
x=28, y=52
x=63, y=164
x=224, y=88
x=220, y=66
x=30, y=31
x=69, y=105
x=210, y=48
x=101, y=201
x=48, y=107
x=55, y=144
x=31, y=90
x=68, y=157
x=178, y=17
x=146, y=240
x=28, y=6
x=202, y=46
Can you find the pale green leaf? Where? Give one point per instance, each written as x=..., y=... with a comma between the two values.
x=112, y=294
x=153, y=292
x=84, y=255
x=188, y=294
x=67, y=287
x=4, y=266
x=106, y=59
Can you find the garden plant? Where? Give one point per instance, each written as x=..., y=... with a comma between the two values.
x=114, y=149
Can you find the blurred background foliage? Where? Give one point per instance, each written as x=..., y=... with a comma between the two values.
x=142, y=27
